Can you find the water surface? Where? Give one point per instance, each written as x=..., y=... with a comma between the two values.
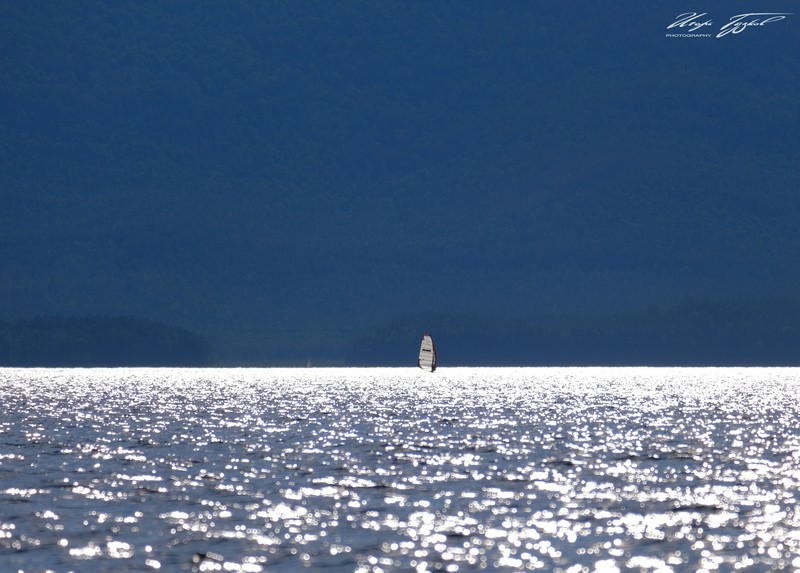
x=370, y=470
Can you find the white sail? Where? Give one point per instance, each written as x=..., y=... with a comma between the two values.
x=427, y=354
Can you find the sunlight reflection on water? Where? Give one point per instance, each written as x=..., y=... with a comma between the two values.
x=375, y=470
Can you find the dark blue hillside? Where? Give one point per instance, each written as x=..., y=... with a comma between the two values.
x=99, y=341
x=741, y=333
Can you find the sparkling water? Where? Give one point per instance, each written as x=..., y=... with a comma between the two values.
x=369, y=470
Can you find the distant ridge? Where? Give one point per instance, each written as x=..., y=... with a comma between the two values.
x=711, y=333
x=99, y=341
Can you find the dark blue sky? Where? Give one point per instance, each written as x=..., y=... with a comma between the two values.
x=260, y=170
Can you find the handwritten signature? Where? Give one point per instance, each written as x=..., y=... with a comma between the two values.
x=694, y=21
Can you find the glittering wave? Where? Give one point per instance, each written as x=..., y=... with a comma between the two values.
x=374, y=470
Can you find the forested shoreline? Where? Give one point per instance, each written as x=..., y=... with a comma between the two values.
x=695, y=333
x=99, y=341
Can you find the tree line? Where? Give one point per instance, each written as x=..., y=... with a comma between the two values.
x=99, y=341
x=729, y=333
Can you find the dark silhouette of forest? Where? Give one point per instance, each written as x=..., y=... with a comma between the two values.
x=281, y=177
x=755, y=333
x=99, y=341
